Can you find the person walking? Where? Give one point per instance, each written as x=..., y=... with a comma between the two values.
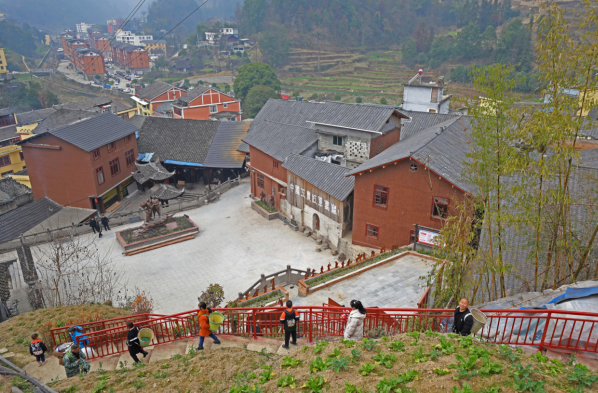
x=289, y=319
x=105, y=221
x=133, y=342
x=354, y=328
x=75, y=361
x=76, y=333
x=95, y=226
x=463, y=320
x=38, y=349
x=204, y=325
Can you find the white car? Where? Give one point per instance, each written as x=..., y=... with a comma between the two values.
x=126, y=90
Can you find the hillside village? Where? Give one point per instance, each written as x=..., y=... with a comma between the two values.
x=167, y=192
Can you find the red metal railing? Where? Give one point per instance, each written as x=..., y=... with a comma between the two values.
x=569, y=330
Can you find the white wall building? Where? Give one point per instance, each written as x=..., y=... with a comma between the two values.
x=426, y=97
x=213, y=38
x=130, y=38
x=82, y=30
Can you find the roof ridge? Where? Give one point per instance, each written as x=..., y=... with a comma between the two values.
x=286, y=124
x=452, y=121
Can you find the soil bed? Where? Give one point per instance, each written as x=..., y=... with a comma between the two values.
x=182, y=223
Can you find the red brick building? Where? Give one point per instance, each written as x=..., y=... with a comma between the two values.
x=203, y=102
x=88, y=61
x=83, y=164
x=156, y=94
x=101, y=44
x=415, y=181
x=133, y=58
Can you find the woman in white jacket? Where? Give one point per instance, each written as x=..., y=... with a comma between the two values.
x=354, y=329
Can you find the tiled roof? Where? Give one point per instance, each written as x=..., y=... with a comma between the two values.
x=419, y=121
x=166, y=191
x=126, y=46
x=182, y=63
x=353, y=116
x=177, y=139
x=8, y=132
x=154, y=90
x=34, y=116
x=223, y=150
x=137, y=120
x=330, y=178
x=243, y=147
x=20, y=220
x=93, y=104
x=444, y=151
x=61, y=118
x=151, y=171
x=89, y=134
x=280, y=128
x=193, y=94
x=8, y=111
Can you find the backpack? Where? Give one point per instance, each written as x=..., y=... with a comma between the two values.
x=289, y=319
x=36, y=348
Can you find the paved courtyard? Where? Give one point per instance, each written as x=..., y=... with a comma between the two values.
x=234, y=247
x=392, y=285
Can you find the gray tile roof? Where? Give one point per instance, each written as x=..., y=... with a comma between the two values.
x=61, y=118
x=8, y=111
x=34, y=116
x=151, y=171
x=243, y=147
x=280, y=128
x=419, y=121
x=8, y=132
x=354, y=116
x=444, y=152
x=154, y=90
x=330, y=178
x=90, y=104
x=223, y=150
x=137, y=120
x=20, y=220
x=166, y=191
x=177, y=139
x=89, y=134
x=193, y=94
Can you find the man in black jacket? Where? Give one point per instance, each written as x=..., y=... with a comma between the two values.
x=289, y=319
x=95, y=226
x=134, y=343
x=463, y=320
x=105, y=222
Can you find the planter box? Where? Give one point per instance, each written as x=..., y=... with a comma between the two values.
x=264, y=213
x=272, y=303
x=305, y=289
x=158, y=241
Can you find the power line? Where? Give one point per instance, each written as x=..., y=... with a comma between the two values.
x=192, y=12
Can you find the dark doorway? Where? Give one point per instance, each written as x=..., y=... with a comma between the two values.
x=316, y=222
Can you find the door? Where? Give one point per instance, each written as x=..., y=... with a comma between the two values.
x=316, y=222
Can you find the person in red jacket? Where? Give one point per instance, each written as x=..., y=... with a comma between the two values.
x=37, y=348
x=289, y=319
x=204, y=325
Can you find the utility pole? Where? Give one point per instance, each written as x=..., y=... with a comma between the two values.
x=318, y=44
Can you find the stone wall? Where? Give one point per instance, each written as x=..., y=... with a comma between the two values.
x=20, y=194
x=330, y=230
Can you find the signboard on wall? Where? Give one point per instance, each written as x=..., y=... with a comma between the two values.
x=427, y=237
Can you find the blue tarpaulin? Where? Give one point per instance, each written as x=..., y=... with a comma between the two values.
x=182, y=163
x=574, y=293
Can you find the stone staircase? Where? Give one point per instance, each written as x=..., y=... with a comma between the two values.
x=52, y=370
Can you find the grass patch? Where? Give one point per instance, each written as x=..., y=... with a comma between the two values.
x=321, y=279
x=266, y=207
x=260, y=301
x=182, y=224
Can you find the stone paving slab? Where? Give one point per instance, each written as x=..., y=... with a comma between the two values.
x=165, y=351
x=47, y=373
x=109, y=363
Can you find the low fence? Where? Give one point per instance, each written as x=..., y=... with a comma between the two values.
x=278, y=279
x=567, y=330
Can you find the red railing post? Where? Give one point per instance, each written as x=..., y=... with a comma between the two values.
x=310, y=325
x=254, y=325
x=545, y=330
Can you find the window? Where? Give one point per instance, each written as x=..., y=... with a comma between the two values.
x=371, y=231
x=177, y=111
x=96, y=154
x=4, y=161
x=431, y=110
x=225, y=105
x=213, y=108
x=130, y=156
x=260, y=181
x=412, y=236
x=337, y=140
x=100, y=175
x=114, y=167
x=128, y=139
x=380, y=196
x=275, y=164
x=440, y=207
x=111, y=146
x=22, y=156
x=5, y=174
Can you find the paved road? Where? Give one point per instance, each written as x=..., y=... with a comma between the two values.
x=234, y=247
x=79, y=78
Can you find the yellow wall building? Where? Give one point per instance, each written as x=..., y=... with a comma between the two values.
x=155, y=47
x=3, y=62
x=11, y=160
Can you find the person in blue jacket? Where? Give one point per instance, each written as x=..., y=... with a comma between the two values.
x=76, y=332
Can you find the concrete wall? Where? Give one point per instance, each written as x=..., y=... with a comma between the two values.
x=329, y=229
x=419, y=98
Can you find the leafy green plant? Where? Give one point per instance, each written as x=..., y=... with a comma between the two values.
x=554, y=368
x=100, y=386
x=446, y=346
x=466, y=389
x=507, y=353
x=356, y=354
x=317, y=365
x=452, y=335
x=305, y=348
x=435, y=354
x=444, y=371
x=418, y=356
x=246, y=389
x=138, y=384
x=70, y=389
x=21, y=383
x=319, y=347
x=335, y=354
x=315, y=384
x=160, y=374
x=581, y=375
x=538, y=357
x=397, y=346
x=415, y=335
x=523, y=381
x=351, y=388
x=465, y=366
x=348, y=343
x=430, y=333
x=366, y=368
x=465, y=341
x=289, y=362
x=385, y=338
x=488, y=368
x=385, y=360
x=368, y=344
x=287, y=380
x=266, y=375
x=337, y=364
x=478, y=351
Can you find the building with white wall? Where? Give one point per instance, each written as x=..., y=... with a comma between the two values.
x=82, y=30
x=428, y=97
x=130, y=38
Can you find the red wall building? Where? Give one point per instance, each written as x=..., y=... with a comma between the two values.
x=267, y=176
x=89, y=61
x=86, y=164
x=154, y=95
x=202, y=101
x=132, y=58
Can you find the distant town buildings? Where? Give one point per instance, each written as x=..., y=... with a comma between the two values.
x=213, y=38
x=130, y=38
x=202, y=102
x=82, y=30
x=3, y=62
x=154, y=95
x=155, y=47
x=114, y=25
x=89, y=62
x=132, y=58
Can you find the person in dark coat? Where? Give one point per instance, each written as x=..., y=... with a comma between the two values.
x=95, y=226
x=463, y=320
x=289, y=319
x=105, y=222
x=133, y=342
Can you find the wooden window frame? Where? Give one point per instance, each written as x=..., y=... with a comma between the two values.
x=127, y=138
x=274, y=164
x=114, y=164
x=130, y=154
x=438, y=218
x=94, y=154
x=213, y=106
x=100, y=170
x=7, y=173
x=113, y=148
x=260, y=179
x=21, y=156
x=387, y=192
x=367, y=225
x=7, y=157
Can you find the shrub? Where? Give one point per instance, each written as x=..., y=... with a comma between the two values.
x=337, y=97
x=383, y=101
x=359, y=100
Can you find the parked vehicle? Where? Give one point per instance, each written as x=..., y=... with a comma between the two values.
x=107, y=86
x=127, y=90
x=128, y=85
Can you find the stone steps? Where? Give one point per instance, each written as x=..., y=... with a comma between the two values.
x=52, y=370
